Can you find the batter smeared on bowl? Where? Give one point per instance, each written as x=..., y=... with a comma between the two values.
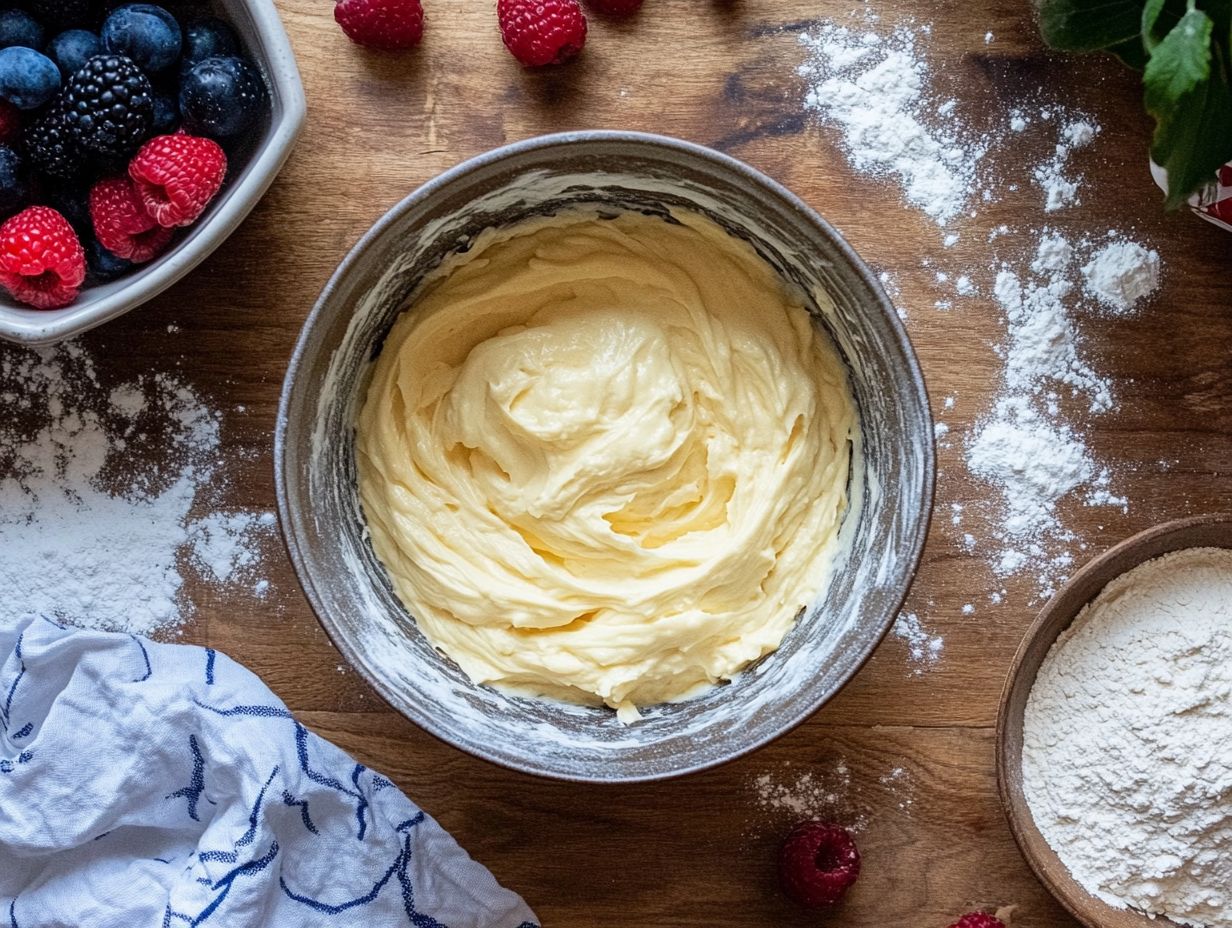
x=606, y=459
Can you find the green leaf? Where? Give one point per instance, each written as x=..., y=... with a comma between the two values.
x=1089, y=25
x=1191, y=138
x=1178, y=64
x=1158, y=19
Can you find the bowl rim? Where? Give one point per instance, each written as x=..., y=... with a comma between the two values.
x=46, y=327
x=1057, y=615
x=291, y=519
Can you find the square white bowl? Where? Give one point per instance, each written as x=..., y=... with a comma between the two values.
x=265, y=41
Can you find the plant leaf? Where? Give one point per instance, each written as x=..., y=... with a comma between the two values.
x=1089, y=25
x=1191, y=139
x=1178, y=64
x=1158, y=19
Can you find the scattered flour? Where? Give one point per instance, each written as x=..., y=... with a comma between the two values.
x=874, y=90
x=879, y=90
x=810, y=794
x=1121, y=274
x=923, y=647
x=1059, y=189
x=86, y=534
x=226, y=544
x=1043, y=346
x=1125, y=756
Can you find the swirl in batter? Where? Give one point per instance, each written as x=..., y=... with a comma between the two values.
x=606, y=459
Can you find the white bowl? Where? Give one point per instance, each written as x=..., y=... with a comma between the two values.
x=265, y=41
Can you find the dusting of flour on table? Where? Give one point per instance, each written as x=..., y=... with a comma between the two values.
x=102, y=492
x=879, y=89
x=923, y=647
x=1061, y=190
x=874, y=88
x=1126, y=762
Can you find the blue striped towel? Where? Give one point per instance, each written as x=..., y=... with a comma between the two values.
x=147, y=785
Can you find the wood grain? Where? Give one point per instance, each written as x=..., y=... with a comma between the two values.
x=700, y=851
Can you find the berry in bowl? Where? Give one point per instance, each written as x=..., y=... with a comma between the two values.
x=133, y=140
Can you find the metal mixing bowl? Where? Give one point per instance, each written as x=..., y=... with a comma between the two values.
x=892, y=474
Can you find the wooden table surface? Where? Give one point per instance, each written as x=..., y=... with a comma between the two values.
x=700, y=851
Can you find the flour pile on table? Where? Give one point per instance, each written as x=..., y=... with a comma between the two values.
x=105, y=496
x=881, y=94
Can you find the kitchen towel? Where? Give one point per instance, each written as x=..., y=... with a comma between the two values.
x=147, y=785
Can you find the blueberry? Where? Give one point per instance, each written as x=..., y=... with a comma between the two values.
x=103, y=264
x=166, y=114
x=221, y=96
x=20, y=28
x=71, y=49
x=28, y=79
x=146, y=33
x=14, y=184
x=207, y=37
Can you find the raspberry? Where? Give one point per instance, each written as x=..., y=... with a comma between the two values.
x=541, y=32
x=177, y=176
x=978, y=920
x=41, y=260
x=390, y=25
x=121, y=223
x=616, y=7
x=818, y=863
x=10, y=121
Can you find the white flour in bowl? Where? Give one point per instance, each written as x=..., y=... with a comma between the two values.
x=109, y=496
x=1127, y=741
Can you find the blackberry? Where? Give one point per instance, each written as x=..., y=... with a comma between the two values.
x=109, y=106
x=51, y=148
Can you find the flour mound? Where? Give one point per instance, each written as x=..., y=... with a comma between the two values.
x=1125, y=759
x=94, y=528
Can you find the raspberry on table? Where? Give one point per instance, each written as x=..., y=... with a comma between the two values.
x=41, y=259
x=818, y=863
x=176, y=177
x=978, y=920
x=121, y=223
x=542, y=32
x=108, y=106
x=389, y=25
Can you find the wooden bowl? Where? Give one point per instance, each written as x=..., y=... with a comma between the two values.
x=1209, y=531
